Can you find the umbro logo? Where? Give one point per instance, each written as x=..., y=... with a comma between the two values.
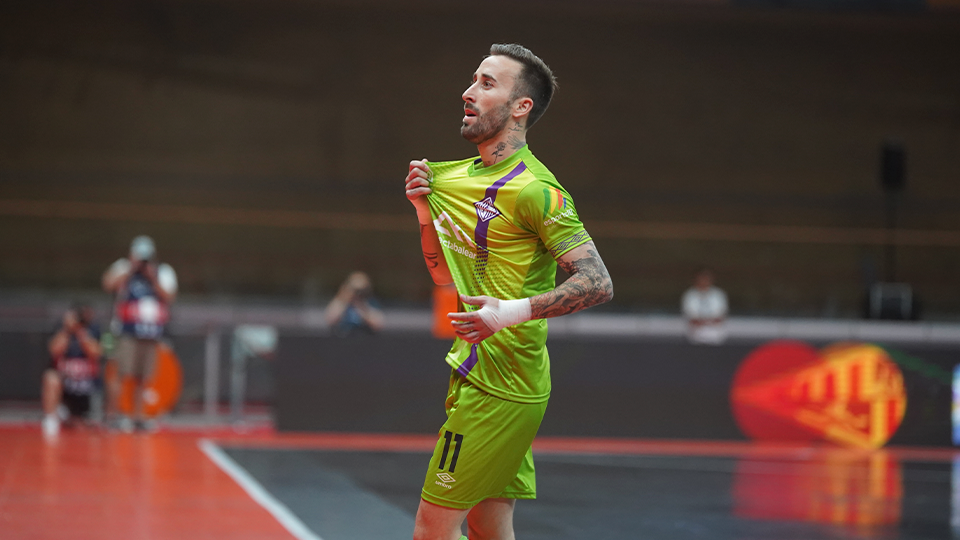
x=486, y=210
x=446, y=477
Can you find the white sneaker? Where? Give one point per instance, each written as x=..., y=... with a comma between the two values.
x=50, y=425
x=125, y=424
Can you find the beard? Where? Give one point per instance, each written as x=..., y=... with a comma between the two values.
x=487, y=125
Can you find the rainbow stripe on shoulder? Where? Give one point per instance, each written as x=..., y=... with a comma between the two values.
x=553, y=200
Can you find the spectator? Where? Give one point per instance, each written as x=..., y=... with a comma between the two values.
x=354, y=308
x=71, y=379
x=143, y=289
x=705, y=308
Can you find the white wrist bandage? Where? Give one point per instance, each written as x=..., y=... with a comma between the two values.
x=507, y=313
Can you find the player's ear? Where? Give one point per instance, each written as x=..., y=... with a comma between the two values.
x=522, y=107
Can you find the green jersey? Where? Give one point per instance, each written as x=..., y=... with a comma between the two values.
x=501, y=228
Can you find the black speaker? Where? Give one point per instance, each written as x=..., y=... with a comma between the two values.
x=893, y=164
x=893, y=301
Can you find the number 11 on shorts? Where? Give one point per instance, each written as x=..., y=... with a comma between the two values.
x=458, y=440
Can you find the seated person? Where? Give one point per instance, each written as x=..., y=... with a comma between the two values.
x=71, y=379
x=705, y=308
x=354, y=308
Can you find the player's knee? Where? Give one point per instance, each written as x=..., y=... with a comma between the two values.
x=476, y=530
x=425, y=530
x=420, y=532
x=492, y=520
x=437, y=523
x=486, y=530
x=423, y=527
x=51, y=379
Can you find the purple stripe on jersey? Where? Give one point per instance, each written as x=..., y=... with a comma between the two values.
x=468, y=364
x=482, y=226
x=480, y=266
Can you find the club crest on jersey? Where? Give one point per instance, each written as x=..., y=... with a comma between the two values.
x=486, y=210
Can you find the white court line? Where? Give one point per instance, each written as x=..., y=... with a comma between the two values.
x=253, y=488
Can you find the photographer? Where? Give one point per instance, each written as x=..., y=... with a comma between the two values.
x=144, y=289
x=354, y=308
x=71, y=379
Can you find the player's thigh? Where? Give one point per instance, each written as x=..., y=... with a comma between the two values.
x=492, y=519
x=436, y=522
x=480, y=449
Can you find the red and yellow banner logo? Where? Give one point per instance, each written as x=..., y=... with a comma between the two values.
x=851, y=394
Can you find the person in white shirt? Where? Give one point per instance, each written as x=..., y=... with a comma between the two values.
x=144, y=288
x=705, y=308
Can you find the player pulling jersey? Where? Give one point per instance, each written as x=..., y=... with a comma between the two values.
x=501, y=228
x=503, y=224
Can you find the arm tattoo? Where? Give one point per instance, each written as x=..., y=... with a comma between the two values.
x=589, y=284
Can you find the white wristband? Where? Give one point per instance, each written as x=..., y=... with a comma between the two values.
x=507, y=313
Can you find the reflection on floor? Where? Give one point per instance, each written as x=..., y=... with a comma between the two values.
x=90, y=484
x=838, y=489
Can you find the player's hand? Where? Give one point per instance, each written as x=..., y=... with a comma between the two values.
x=417, y=185
x=469, y=325
x=494, y=315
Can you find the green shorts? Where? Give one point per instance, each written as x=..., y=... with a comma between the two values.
x=484, y=449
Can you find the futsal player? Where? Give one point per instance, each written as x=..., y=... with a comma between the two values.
x=496, y=226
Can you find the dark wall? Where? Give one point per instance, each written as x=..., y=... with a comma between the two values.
x=665, y=114
x=361, y=383
x=21, y=365
x=601, y=388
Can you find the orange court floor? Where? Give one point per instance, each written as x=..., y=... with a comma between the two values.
x=94, y=484
x=88, y=484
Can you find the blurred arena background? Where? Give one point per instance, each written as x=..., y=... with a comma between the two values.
x=237, y=133
x=262, y=145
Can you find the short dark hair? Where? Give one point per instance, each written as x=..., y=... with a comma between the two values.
x=536, y=79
